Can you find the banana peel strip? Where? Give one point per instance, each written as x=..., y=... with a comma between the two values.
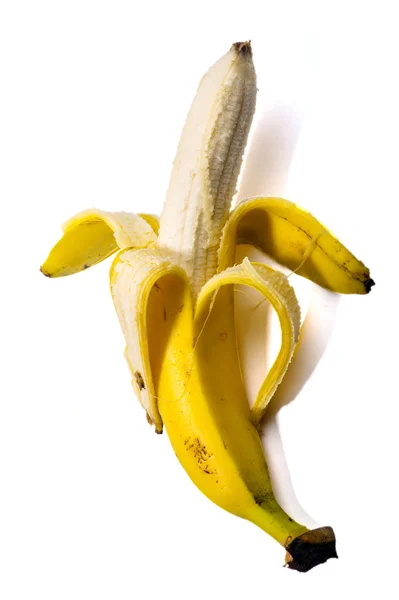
x=274, y=286
x=93, y=235
x=295, y=239
x=134, y=276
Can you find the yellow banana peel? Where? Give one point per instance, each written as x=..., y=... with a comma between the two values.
x=172, y=283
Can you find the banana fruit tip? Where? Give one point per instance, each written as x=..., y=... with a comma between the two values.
x=172, y=282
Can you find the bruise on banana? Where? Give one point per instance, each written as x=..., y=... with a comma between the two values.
x=200, y=454
x=265, y=497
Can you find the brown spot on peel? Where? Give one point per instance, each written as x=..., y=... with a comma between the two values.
x=200, y=454
x=139, y=380
x=46, y=273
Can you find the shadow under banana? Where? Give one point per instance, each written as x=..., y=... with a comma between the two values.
x=266, y=171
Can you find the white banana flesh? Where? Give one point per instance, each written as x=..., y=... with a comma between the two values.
x=207, y=165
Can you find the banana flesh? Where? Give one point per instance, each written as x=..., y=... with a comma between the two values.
x=172, y=283
x=207, y=165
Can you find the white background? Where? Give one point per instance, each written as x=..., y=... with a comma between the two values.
x=93, y=98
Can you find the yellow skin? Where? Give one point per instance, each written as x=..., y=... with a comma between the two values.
x=181, y=341
x=191, y=362
x=208, y=419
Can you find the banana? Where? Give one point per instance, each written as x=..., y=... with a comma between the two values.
x=172, y=283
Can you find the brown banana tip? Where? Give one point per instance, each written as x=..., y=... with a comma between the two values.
x=310, y=549
x=368, y=284
x=243, y=48
x=46, y=273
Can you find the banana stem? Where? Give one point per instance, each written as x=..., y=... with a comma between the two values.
x=311, y=549
x=306, y=548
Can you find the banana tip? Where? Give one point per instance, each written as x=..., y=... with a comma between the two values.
x=310, y=549
x=368, y=284
x=43, y=270
x=243, y=48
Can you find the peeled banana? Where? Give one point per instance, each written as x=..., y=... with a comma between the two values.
x=172, y=284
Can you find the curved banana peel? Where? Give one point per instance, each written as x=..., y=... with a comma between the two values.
x=275, y=288
x=172, y=283
x=295, y=239
x=93, y=235
x=148, y=300
x=145, y=294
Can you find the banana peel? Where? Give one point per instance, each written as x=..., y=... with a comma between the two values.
x=172, y=282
